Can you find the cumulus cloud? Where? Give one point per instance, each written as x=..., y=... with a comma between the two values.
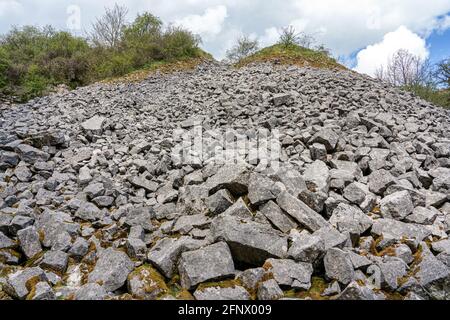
x=378, y=54
x=208, y=24
x=9, y=7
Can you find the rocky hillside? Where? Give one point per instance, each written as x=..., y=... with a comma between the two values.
x=264, y=182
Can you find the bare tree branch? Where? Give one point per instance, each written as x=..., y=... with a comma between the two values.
x=108, y=29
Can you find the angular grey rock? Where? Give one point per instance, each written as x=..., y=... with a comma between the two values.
x=355, y=291
x=292, y=180
x=433, y=275
x=317, y=176
x=391, y=272
x=94, y=125
x=380, y=180
x=88, y=212
x=351, y=219
x=5, y=242
x=421, y=215
x=281, y=98
x=301, y=212
x=165, y=253
x=318, y=152
x=269, y=290
x=94, y=190
x=356, y=193
x=232, y=177
x=140, y=216
x=30, y=154
x=327, y=137
x=79, y=248
x=290, y=274
x=250, y=278
x=249, y=242
x=103, y=201
x=136, y=249
x=277, y=217
x=397, y=205
x=55, y=261
x=43, y=291
x=235, y=293
x=239, y=209
x=219, y=202
x=391, y=229
x=29, y=241
x=260, y=189
x=185, y=224
x=306, y=248
x=16, y=283
x=338, y=266
x=111, y=269
x=211, y=263
x=90, y=292
x=141, y=182
x=331, y=237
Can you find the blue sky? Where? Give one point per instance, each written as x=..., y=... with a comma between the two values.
x=363, y=33
x=439, y=43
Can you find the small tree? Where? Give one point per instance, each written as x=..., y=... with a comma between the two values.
x=405, y=69
x=443, y=72
x=107, y=31
x=243, y=48
x=289, y=37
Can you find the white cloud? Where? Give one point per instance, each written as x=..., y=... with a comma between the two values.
x=207, y=25
x=9, y=7
x=376, y=55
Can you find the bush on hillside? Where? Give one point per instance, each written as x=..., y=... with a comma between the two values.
x=34, y=59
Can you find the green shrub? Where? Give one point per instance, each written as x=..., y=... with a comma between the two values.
x=35, y=84
x=33, y=59
x=179, y=43
x=4, y=66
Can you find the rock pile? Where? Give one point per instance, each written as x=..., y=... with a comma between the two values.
x=222, y=183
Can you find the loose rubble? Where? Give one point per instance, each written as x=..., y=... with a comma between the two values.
x=226, y=184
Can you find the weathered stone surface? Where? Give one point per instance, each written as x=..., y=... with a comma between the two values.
x=317, y=176
x=29, y=241
x=207, y=264
x=232, y=293
x=30, y=154
x=166, y=252
x=397, y=205
x=355, y=291
x=232, y=177
x=94, y=125
x=351, y=219
x=219, y=202
x=396, y=230
x=306, y=248
x=338, y=266
x=327, y=137
x=111, y=269
x=146, y=283
x=301, y=212
x=55, y=261
x=250, y=242
x=277, y=217
x=269, y=290
x=260, y=189
x=291, y=274
x=90, y=291
x=250, y=278
x=16, y=283
x=380, y=180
